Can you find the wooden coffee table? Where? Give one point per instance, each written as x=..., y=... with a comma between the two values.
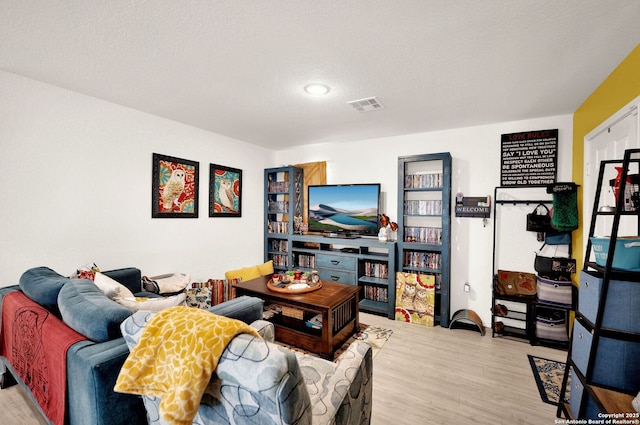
x=336, y=302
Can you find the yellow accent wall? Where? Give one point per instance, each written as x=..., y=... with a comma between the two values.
x=617, y=90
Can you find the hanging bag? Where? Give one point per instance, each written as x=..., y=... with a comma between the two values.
x=557, y=238
x=554, y=265
x=549, y=265
x=539, y=222
x=565, y=206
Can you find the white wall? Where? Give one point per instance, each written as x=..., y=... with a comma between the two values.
x=76, y=188
x=476, y=172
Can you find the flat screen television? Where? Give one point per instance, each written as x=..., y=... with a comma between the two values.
x=344, y=210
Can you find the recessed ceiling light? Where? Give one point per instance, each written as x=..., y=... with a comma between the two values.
x=316, y=89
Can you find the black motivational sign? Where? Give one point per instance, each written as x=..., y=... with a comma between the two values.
x=529, y=158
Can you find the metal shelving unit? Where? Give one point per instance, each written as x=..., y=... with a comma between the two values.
x=604, y=356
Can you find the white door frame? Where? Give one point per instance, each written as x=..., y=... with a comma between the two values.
x=632, y=108
x=628, y=109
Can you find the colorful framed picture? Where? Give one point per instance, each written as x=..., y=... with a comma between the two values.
x=225, y=191
x=174, y=187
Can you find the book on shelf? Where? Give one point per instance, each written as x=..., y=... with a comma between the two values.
x=315, y=322
x=278, y=207
x=279, y=260
x=376, y=269
x=279, y=245
x=426, y=180
x=428, y=235
x=307, y=261
x=376, y=293
x=423, y=207
x=276, y=186
x=278, y=227
x=428, y=260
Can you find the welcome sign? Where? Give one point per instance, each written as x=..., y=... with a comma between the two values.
x=529, y=158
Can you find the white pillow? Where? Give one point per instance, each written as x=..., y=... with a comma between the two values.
x=123, y=296
x=111, y=288
x=172, y=282
x=152, y=304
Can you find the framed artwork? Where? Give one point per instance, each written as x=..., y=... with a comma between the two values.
x=225, y=191
x=174, y=187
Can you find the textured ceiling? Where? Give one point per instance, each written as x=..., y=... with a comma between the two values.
x=238, y=67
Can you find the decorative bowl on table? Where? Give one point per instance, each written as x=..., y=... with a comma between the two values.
x=293, y=282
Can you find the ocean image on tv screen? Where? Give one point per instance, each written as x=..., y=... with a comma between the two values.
x=350, y=208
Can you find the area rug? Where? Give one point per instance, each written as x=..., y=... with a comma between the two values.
x=548, y=375
x=375, y=336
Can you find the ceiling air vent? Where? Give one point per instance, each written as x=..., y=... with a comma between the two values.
x=365, y=105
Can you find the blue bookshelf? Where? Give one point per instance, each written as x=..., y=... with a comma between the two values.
x=424, y=223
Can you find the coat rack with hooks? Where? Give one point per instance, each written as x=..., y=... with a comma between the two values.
x=521, y=323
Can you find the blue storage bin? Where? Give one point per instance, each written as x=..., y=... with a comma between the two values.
x=575, y=395
x=625, y=257
x=621, y=310
x=576, y=401
x=617, y=362
x=580, y=346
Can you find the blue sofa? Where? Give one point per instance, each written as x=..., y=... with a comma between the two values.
x=92, y=365
x=259, y=382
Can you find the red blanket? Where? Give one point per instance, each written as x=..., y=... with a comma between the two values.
x=36, y=342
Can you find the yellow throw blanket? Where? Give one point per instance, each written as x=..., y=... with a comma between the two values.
x=175, y=357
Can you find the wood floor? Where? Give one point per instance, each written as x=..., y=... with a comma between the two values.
x=15, y=409
x=425, y=376
x=455, y=377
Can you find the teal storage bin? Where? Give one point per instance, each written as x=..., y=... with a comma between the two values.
x=625, y=257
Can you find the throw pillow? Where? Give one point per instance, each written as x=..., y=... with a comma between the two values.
x=111, y=288
x=123, y=296
x=152, y=304
x=245, y=273
x=86, y=272
x=86, y=310
x=42, y=285
x=170, y=283
x=199, y=295
x=266, y=268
